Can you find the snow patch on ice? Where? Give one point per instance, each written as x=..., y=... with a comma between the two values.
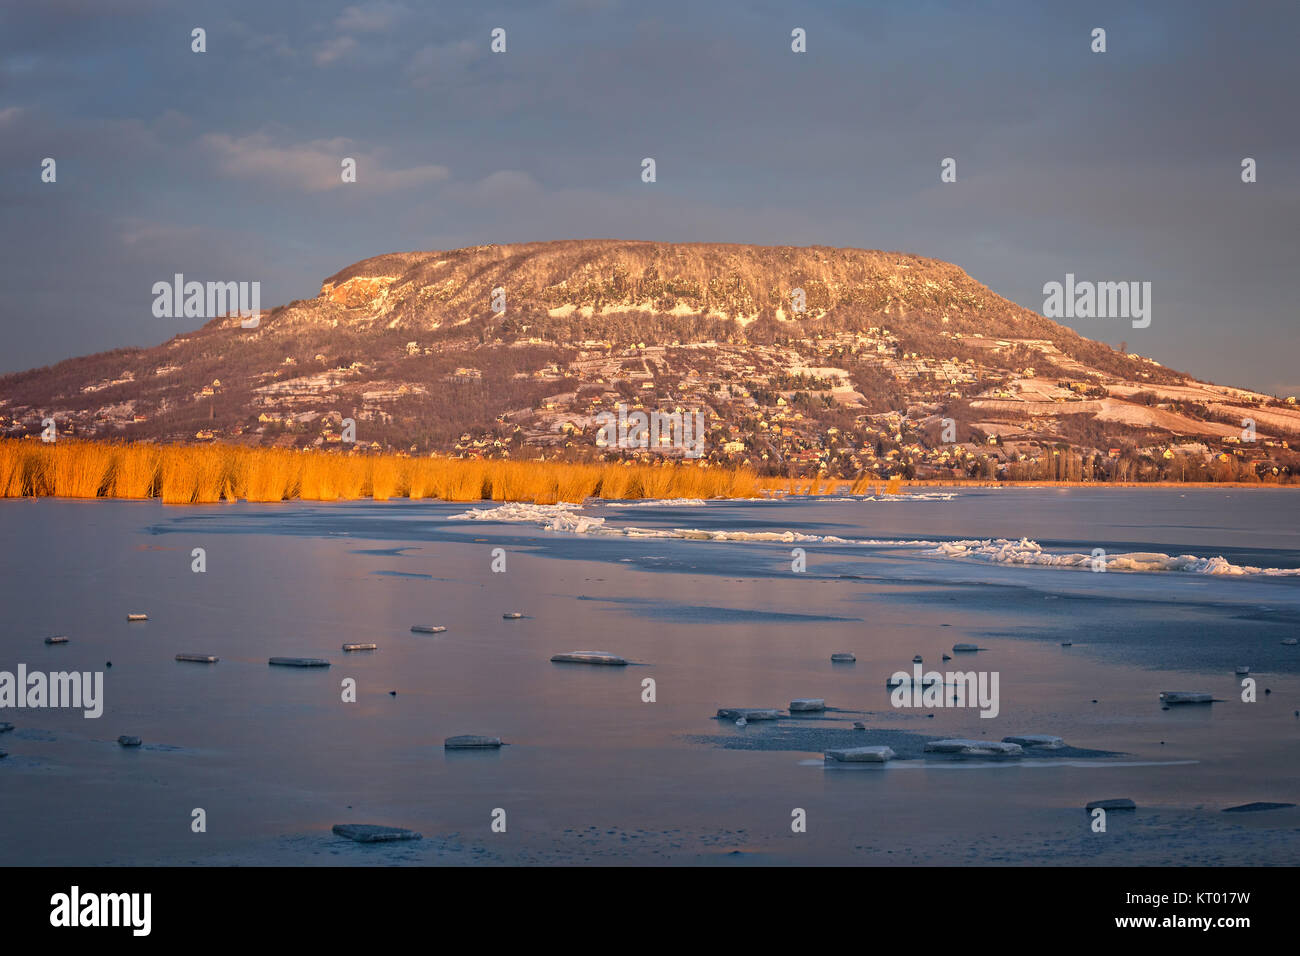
x=658, y=503
x=1027, y=552
x=910, y=496
x=562, y=517
x=515, y=511
x=557, y=517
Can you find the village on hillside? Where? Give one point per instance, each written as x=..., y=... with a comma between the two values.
x=840, y=404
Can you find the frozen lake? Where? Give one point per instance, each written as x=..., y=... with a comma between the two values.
x=703, y=597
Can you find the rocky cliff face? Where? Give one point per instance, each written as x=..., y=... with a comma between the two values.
x=735, y=282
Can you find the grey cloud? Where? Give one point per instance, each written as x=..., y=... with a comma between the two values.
x=313, y=167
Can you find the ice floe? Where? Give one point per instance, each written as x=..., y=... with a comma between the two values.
x=911, y=496
x=589, y=657
x=658, y=503
x=1041, y=741
x=974, y=748
x=748, y=713
x=896, y=681
x=1027, y=552
x=807, y=704
x=1119, y=803
x=1257, y=807
x=557, y=517
x=370, y=833
x=1186, y=697
x=879, y=754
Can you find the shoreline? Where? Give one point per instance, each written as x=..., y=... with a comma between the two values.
x=209, y=474
x=986, y=483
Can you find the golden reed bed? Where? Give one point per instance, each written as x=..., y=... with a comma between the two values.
x=203, y=474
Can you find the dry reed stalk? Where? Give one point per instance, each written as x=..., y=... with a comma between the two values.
x=615, y=481
x=12, y=464
x=318, y=479
x=743, y=484
x=463, y=480
x=38, y=471
x=522, y=481
x=269, y=474
x=420, y=479
x=578, y=483
x=383, y=477
x=136, y=471
x=179, y=477
x=80, y=470
x=657, y=480
x=195, y=474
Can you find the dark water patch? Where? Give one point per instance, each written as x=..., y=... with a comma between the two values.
x=952, y=589
x=15, y=762
x=825, y=717
x=1289, y=617
x=843, y=710
x=773, y=737
x=667, y=555
x=661, y=610
x=32, y=733
x=1142, y=631
x=905, y=744
x=1178, y=637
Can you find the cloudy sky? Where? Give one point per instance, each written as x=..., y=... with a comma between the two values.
x=1123, y=165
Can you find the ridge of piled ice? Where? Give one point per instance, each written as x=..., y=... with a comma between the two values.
x=516, y=511
x=910, y=496
x=1025, y=551
x=657, y=503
